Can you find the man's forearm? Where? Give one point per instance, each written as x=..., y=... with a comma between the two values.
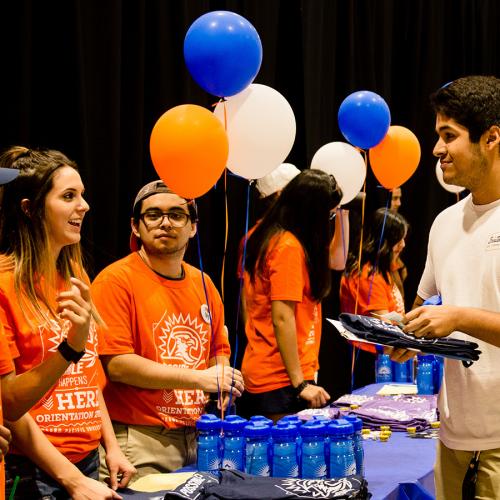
x=144, y=373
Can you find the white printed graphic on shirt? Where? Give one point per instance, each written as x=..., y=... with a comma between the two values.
x=181, y=341
x=72, y=406
x=493, y=242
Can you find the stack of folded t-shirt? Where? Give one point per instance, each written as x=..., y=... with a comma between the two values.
x=380, y=332
x=235, y=485
x=399, y=412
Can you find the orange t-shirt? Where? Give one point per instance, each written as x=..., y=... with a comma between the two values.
x=167, y=321
x=374, y=294
x=69, y=413
x=284, y=277
x=6, y=366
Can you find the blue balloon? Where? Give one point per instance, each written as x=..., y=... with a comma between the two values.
x=364, y=119
x=223, y=52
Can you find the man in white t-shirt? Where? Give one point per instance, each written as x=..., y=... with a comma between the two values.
x=463, y=266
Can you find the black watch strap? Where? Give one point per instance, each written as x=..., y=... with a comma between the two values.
x=68, y=353
x=301, y=387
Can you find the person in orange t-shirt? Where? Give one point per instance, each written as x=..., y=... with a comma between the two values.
x=6, y=175
x=165, y=340
x=6, y=366
x=286, y=277
x=46, y=312
x=374, y=290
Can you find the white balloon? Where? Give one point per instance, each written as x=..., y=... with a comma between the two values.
x=449, y=187
x=260, y=128
x=345, y=163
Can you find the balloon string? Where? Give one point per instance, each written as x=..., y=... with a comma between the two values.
x=225, y=236
x=226, y=214
x=363, y=202
x=213, y=342
x=240, y=291
x=379, y=246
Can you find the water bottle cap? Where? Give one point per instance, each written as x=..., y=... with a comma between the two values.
x=356, y=422
x=234, y=423
x=208, y=422
x=257, y=430
x=321, y=418
x=262, y=419
x=340, y=427
x=313, y=428
x=284, y=429
x=291, y=419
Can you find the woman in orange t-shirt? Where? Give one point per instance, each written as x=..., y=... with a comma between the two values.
x=46, y=312
x=286, y=277
x=374, y=290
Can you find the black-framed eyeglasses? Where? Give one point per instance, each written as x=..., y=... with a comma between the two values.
x=154, y=218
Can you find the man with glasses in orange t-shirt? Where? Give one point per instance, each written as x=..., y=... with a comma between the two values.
x=165, y=342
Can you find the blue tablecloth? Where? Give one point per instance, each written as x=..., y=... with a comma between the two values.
x=399, y=469
x=402, y=467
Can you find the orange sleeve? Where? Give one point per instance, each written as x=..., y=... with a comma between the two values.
x=113, y=303
x=6, y=363
x=7, y=321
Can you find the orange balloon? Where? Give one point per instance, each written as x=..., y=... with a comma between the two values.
x=189, y=149
x=394, y=160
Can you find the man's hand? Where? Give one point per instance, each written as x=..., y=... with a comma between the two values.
x=75, y=304
x=120, y=469
x=432, y=321
x=5, y=439
x=222, y=378
x=315, y=395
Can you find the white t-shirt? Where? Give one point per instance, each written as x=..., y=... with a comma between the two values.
x=463, y=266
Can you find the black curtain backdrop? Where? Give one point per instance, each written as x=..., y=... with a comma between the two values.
x=91, y=77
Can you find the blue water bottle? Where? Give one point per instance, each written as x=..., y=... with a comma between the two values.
x=262, y=419
x=257, y=453
x=342, y=461
x=400, y=372
x=294, y=420
x=438, y=367
x=425, y=374
x=208, y=458
x=313, y=462
x=411, y=370
x=284, y=451
x=357, y=440
x=233, y=454
x=383, y=368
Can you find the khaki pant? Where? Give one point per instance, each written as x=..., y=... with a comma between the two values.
x=152, y=449
x=450, y=469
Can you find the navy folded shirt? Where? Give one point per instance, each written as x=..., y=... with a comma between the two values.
x=380, y=332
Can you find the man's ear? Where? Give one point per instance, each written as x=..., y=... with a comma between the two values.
x=26, y=207
x=493, y=137
x=134, y=227
x=194, y=228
